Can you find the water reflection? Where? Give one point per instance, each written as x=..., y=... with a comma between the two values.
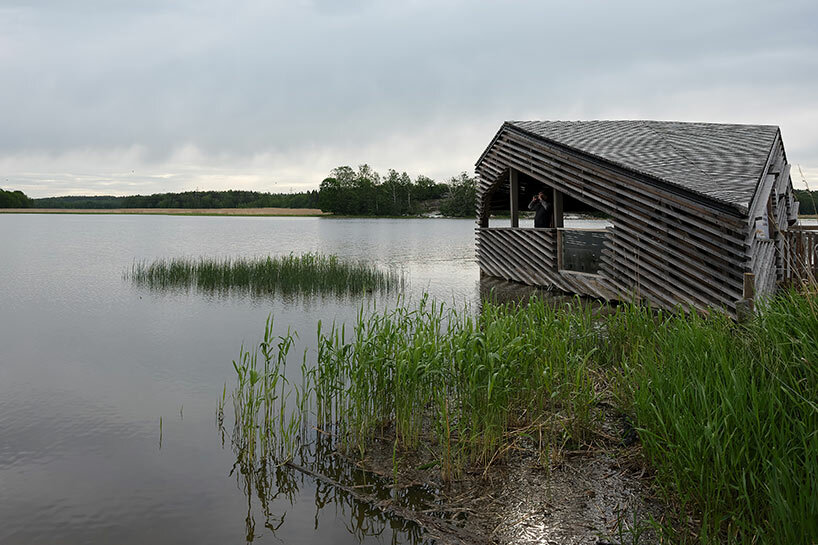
x=90, y=363
x=363, y=502
x=500, y=291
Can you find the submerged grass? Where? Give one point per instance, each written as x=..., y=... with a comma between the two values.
x=727, y=413
x=306, y=274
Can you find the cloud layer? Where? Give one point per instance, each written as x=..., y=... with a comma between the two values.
x=104, y=97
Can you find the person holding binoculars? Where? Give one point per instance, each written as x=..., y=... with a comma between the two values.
x=542, y=210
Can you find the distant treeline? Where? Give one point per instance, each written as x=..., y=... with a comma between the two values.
x=366, y=193
x=188, y=199
x=14, y=199
x=808, y=200
x=347, y=191
x=361, y=192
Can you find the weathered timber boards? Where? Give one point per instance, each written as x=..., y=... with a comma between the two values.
x=671, y=248
x=783, y=181
x=722, y=246
x=758, y=207
x=763, y=267
x=692, y=281
x=794, y=208
x=668, y=241
x=590, y=284
x=528, y=256
x=800, y=262
x=761, y=195
x=670, y=244
x=538, y=151
x=624, y=196
x=641, y=273
x=506, y=253
x=680, y=238
x=522, y=255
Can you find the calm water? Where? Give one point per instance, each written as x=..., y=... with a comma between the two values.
x=89, y=364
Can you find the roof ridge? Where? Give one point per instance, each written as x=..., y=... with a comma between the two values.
x=679, y=152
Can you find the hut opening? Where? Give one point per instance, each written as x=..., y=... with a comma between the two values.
x=686, y=210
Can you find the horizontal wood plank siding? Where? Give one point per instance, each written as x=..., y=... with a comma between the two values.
x=529, y=256
x=665, y=247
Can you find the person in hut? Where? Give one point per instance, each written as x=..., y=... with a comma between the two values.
x=542, y=210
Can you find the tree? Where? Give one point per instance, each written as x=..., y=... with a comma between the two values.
x=395, y=194
x=461, y=198
x=14, y=199
x=808, y=200
x=366, y=190
x=427, y=189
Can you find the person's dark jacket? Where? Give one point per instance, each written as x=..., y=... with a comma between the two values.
x=542, y=215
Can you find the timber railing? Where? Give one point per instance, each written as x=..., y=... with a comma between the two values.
x=800, y=259
x=523, y=255
x=535, y=256
x=581, y=249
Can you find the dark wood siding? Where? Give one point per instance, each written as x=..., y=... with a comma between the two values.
x=666, y=246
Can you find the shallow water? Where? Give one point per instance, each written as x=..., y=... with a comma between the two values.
x=91, y=364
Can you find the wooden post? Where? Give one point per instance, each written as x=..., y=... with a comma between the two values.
x=558, y=232
x=749, y=286
x=745, y=307
x=558, y=209
x=514, y=195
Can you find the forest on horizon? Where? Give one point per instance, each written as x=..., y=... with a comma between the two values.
x=361, y=192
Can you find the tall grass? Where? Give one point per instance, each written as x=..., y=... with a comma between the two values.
x=727, y=413
x=464, y=382
x=306, y=274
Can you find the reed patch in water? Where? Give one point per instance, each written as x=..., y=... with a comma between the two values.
x=305, y=274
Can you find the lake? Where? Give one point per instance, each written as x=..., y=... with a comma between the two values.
x=90, y=364
x=109, y=391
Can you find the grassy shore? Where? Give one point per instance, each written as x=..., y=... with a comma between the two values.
x=726, y=414
x=172, y=211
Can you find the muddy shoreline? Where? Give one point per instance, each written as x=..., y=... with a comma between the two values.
x=594, y=494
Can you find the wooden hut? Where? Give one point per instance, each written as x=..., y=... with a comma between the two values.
x=692, y=208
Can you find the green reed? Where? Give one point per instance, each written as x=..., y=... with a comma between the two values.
x=307, y=274
x=265, y=428
x=433, y=373
x=727, y=413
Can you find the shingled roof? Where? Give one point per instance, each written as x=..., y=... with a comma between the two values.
x=719, y=161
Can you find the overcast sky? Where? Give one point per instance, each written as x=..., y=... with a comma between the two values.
x=124, y=97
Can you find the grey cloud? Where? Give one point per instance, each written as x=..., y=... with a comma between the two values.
x=242, y=79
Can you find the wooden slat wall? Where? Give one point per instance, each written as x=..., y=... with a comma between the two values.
x=764, y=266
x=530, y=256
x=776, y=195
x=666, y=246
x=800, y=256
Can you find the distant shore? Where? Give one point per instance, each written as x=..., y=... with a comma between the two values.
x=296, y=212
x=173, y=211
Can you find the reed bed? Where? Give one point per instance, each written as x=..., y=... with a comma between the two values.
x=305, y=274
x=727, y=413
